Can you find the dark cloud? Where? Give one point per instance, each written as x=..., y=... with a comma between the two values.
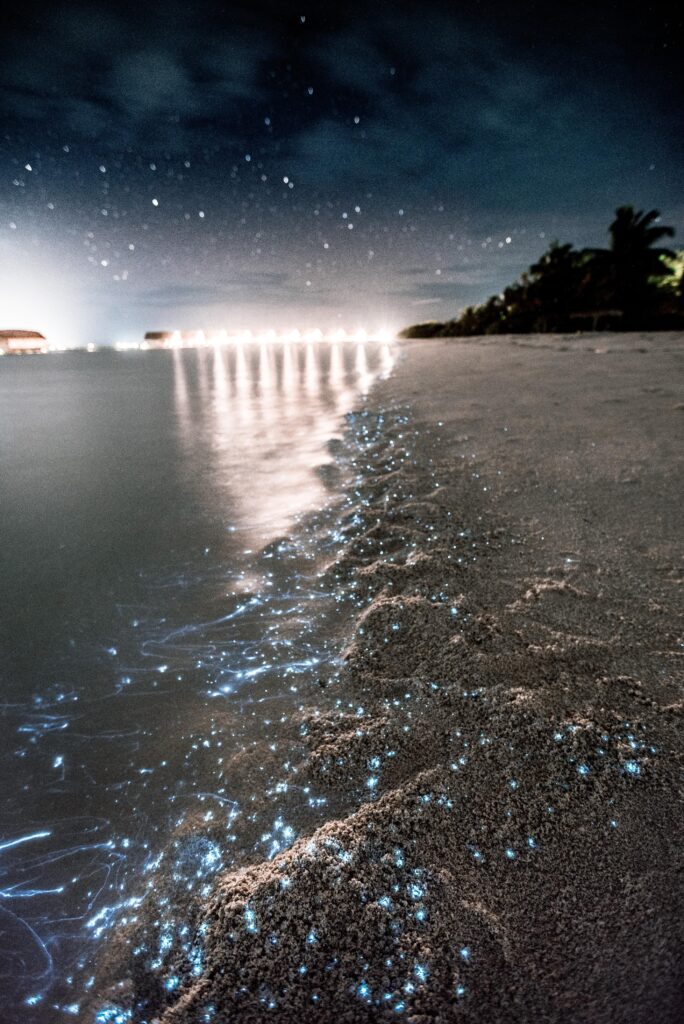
x=133, y=77
x=447, y=110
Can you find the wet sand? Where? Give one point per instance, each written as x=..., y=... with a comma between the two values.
x=499, y=748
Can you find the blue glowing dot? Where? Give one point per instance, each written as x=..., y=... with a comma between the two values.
x=583, y=769
x=399, y=1007
x=511, y=854
x=112, y=1015
x=421, y=914
x=460, y=990
x=464, y=953
x=531, y=842
x=171, y=983
x=312, y=937
x=250, y=920
x=421, y=972
x=363, y=991
x=513, y=783
x=632, y=768
x=385, y=902
x=415, y=891
x=372, y=781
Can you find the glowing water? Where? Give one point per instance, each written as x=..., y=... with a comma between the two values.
x=145, y=583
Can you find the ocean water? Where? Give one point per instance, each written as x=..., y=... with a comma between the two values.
x=149, y=580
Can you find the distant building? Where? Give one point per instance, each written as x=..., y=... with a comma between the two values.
x=158, y=339
x=179, y=339
x=19, y=343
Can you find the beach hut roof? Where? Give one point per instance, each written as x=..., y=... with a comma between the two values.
x=4, y=334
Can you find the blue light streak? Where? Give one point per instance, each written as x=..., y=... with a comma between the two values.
x=24, y=839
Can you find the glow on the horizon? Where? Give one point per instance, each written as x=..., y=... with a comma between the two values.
x=36, y=298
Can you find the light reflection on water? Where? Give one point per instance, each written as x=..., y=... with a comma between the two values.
x=138, y=494
x=265, y=411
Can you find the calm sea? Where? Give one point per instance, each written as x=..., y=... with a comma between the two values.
x=146, y=500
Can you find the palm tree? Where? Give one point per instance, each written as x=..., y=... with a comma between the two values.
x=634, y=284
x=553, y=288
x=636, y=264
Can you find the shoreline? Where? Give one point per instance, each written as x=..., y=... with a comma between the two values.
x=499, y=746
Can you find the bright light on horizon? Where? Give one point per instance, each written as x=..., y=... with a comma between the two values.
x=218, y=337
x=36, y=298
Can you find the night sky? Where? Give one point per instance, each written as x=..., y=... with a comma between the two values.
x=266, y=165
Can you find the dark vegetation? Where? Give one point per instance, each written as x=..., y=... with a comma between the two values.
x=633, y=285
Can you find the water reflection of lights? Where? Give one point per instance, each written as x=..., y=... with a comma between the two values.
x=267, y=411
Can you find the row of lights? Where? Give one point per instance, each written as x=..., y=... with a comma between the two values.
x=198, y=339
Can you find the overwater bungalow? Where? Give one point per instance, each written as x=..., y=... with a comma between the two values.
x=158, y=339
x=19, y=343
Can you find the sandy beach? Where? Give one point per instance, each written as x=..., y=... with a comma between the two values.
x=499, y=746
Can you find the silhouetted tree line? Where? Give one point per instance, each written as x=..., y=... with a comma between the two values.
x=633, y=285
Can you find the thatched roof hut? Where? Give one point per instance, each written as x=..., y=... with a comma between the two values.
x=17, y=342
x=158, y=339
